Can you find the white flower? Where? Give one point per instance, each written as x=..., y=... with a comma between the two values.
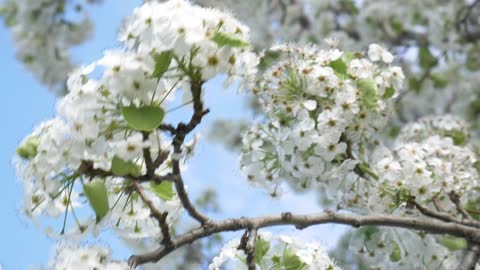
x=377, y=53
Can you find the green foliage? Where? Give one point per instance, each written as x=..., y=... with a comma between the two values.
x=458, y=137
x=162, y=62
x=224, y=39
x=163, y=190
x=28, y=149
x=96, y=193
x=349, y=5
x=369, y=92
x=396, y=25
x=473, y=58
x=438, y=81
x=453, y=243
x=426, y=59
x=415, y=84
x=268, y=58
x=144, y=118
x=389, y=92
x=123, y=168
x=261, y=248
x=396, y=254
x=289, y=261
x=339, y=67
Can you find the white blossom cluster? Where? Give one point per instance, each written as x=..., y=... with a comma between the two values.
x=281, y=20
x=84, y=258
x=44, y=34
x=429, y=160
x=433, y=20
x=110, y=117
x=387, y=248
x=324, y=107
x=275, y=252
x=203, y=38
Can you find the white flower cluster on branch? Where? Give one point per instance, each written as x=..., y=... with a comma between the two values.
x=323, y=108
x=109, y=159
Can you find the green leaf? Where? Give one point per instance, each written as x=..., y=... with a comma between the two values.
x=96, y=193
x=268, y=58
x=145, y=118
x=396, y=25
x=369, y=93
x=224, y=39
x=473, y=58
x=415, y=84
x=396, y=254
x=162, y=62
x=438, y=81
x=458, y=137
x=339, y=67
x=261, y=248
x=290, y=261
x=28, y=149
x=389, y=92
x=350, y=6
x=426, y=58
x=393, y=131
x=453, y=243
x=123, y=168
x=163, y=190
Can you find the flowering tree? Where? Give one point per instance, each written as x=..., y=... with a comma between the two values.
x=389, y=143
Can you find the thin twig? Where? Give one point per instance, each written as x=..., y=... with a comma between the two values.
x=161, y=217
x=456, y=201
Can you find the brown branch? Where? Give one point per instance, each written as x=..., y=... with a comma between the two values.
x=456, y=201
x=303, y=221
x=180, y=132
x=250, y=248
x=247, y=244
x=470, y=257
x=445, y=217
x=161, y=217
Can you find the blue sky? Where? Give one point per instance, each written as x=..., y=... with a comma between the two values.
x=25, y=103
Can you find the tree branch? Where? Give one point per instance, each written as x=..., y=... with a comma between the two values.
x=161, y=217
x=470, y=257
x=181, y=131
x=303, y=221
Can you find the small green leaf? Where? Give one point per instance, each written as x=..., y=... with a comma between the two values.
x=96, y=193
x=224, y=39
x=458, y=137
x=415, y=84
x=163, y=190
x=438, y=81
x=394, y=131
x=28, y=149
x=261, y=248
x=349, y=5
x=453, y=243
x=396, y=25
x=290, y=261
x=145, y=118
x=268, y=58
x=369, y=93
x=473, y=58
x=426, y=58
x=162, y=62
x=389, y=92
x=123, y=168
x=396, y=254
x=339, y=67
